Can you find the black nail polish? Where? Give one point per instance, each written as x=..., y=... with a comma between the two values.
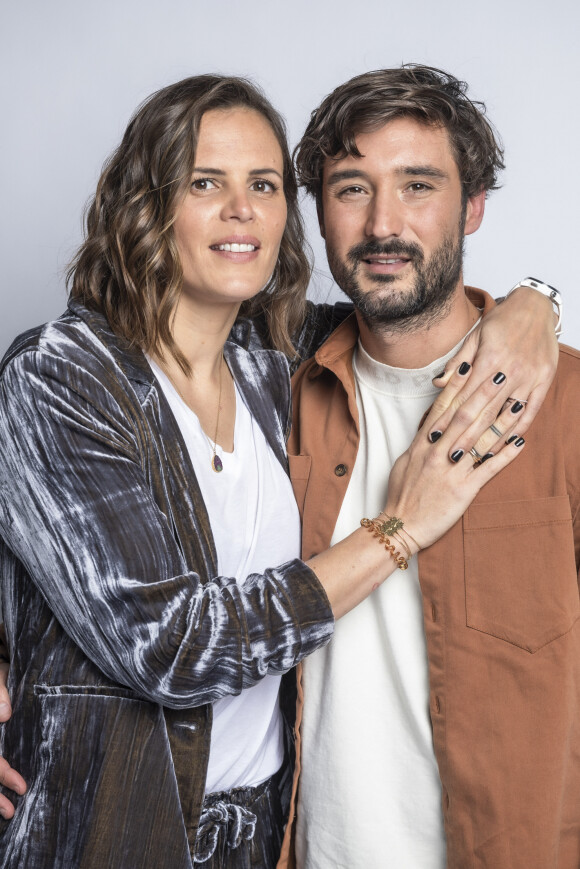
x=463, y=368
x=435, y=435
x=439, y=376
x=519, y=443
x=512, y=439
x=499, y=378
x=515, y=408
x=456, y=455
x=486, y=457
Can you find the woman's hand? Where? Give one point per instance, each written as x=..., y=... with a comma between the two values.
x=516, y=339
x=8, y=776
x=429, y=491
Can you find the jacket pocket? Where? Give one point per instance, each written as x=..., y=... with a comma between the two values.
x=521, y=582
x=299, y=474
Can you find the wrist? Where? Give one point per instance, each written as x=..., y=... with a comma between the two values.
x=549, y=292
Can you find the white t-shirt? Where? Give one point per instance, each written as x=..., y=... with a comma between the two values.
x=370, y=794
x=255, y=525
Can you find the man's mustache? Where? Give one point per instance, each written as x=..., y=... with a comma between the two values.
x=395, y=247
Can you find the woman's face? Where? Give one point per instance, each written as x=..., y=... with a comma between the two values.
x=229, y=226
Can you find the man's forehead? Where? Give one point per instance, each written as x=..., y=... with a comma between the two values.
x=398, y=139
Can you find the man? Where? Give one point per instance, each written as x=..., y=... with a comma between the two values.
x=440, y=726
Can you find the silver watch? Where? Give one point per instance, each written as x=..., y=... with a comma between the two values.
x=546, y=290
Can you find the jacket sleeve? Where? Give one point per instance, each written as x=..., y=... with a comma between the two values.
x=77, y=510
x=319, y=321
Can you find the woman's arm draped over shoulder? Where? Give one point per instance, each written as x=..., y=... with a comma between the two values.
x=77, y=509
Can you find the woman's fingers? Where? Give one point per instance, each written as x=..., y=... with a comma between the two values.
x=515, y=338
x=430, y=493
x=8, y=776
x=5, y=706
x=467, y=418
x=12, y=780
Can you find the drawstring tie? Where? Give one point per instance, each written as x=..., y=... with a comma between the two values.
x=238, y=823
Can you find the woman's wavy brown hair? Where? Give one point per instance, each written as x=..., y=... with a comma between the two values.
x=128, y=267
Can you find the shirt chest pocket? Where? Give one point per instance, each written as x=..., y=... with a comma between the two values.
x=521, y=581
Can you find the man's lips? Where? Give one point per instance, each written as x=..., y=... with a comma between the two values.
x=385, y=260
x=386, y=265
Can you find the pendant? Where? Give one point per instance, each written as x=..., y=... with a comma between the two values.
x=216, y=464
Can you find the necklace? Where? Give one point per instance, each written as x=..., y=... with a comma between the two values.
x=216, y=462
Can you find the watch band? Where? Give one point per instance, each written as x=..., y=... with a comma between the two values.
x=546, y=290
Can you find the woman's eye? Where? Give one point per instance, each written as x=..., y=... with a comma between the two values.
x=262, y=186
x=202, y=184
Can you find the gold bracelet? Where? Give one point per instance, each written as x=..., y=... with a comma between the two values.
x=403, y=543
x=375, y=526
x=397, y=526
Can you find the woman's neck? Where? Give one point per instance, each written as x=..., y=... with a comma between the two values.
x=200, y=332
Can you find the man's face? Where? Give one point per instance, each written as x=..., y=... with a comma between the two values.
x=394, y=220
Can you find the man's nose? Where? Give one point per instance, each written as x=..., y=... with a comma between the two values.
x=385, y=216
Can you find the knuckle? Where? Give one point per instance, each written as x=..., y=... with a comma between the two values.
x=463, y=416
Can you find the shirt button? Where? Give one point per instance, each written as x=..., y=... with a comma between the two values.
x=340, y=470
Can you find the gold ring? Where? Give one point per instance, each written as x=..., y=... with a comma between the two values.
x=476, y=457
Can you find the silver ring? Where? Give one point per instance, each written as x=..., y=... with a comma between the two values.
x=521, y=400
x=496, y=431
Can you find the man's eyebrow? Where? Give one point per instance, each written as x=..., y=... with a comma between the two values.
x=344, y=175
x=426, y=171
x=352, y=174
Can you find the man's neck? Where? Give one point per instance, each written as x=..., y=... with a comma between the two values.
x=417, y=343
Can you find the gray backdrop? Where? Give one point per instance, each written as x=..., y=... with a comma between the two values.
x=74, y=70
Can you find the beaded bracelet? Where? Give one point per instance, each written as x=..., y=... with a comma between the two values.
x=375, y=526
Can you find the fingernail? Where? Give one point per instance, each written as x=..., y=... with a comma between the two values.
x=463, y=368
x=499, y=378
x=486, y=457
x=515, y=408
x=512, y=439
x=456, y=455
x=435, y=435
x=439, y=376
x=519, y=443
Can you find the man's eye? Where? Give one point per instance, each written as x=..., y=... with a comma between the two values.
x=353, y=190
x=418, y=187
x=202, y=184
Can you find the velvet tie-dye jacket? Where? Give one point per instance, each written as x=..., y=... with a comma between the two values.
x=120, y=633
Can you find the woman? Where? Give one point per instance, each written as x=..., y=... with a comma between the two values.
x=144, y=501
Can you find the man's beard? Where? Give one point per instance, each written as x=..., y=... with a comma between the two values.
x=426, y=301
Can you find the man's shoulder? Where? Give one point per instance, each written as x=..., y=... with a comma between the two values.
x=568, y=372
x=569, y=356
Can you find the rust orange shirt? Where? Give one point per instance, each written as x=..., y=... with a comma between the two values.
x=501, y=612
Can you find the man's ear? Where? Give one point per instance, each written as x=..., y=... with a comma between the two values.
x=474, y=212
x=320, y=215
